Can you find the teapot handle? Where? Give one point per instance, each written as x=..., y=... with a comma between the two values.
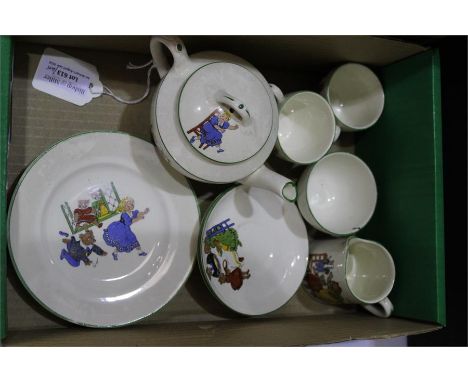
x=175, y=46
x=381, y=309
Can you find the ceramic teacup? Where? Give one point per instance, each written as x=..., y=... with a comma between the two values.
x=337, y=195
x=356, y=96
x=307, y=126
x=352, y=271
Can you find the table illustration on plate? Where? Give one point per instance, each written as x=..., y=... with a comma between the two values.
x=104, y=205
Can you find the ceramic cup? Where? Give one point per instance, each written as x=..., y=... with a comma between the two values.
x=337, y=195
x=355, y=95
x=307, y=126
x=352, y=271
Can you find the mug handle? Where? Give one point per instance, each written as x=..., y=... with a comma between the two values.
x=382, y=309
x=175, y=46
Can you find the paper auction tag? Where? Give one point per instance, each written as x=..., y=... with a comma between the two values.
x=67, y=78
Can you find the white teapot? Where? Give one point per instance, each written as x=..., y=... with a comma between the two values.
x=214, y=117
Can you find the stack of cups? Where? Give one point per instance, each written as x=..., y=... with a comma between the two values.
x=337, y=193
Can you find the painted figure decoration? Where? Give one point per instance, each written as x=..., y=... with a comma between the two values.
x=106, y=204
x=210, y=131
x=224, y=263
x=75, y=252
x=119, y=233
x=103, y=206
x=319, y=278
x=85, y=214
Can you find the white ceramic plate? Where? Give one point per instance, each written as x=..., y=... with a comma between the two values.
x=101, y=233
x=253, y=250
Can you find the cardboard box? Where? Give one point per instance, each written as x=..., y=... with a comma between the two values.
x=403, y=150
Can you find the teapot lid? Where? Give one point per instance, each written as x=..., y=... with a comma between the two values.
x=225, y=112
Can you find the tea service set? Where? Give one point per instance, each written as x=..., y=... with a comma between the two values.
x=114, y=234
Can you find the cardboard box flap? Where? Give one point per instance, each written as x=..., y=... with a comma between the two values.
x=404, y=150
x=298, y=52
x=295, y=331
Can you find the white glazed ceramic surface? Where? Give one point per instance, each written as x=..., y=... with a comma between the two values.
x=356, y=96
x=170, y=138
x=352, y=271
x=306, y=127
x=253, y=250
x=225, y=112
x=338, y=194
x=100, y=231
x=370, y=271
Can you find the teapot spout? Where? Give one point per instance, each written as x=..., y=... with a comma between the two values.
x=267, y=179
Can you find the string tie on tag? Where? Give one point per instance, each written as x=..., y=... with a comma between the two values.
x=133, y=66
x=107, y=91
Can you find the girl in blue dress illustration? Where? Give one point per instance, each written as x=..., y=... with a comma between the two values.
x=211, y=130
x=119, y=233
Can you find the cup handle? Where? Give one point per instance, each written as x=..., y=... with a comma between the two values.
x=382, y=309
x=267, y=179
x=277, y=93
x=337, y=133
x=175, y=46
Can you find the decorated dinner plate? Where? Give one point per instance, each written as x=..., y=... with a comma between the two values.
x=253, y=250
x=101, y=232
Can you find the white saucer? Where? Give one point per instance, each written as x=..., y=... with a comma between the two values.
x=253, y=250
x=58, y=207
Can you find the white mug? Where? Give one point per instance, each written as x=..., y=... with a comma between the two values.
x=338, y=194
x=307, y=126
x=355, y=95
x=352, y=271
